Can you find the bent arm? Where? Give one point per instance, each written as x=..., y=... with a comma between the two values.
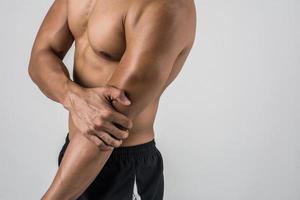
x=51, y=44
x=157, y=38
x=49, y=73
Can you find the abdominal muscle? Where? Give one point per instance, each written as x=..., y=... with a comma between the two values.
x=92, y=70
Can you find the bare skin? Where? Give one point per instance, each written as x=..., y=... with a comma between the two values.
x=132, y=49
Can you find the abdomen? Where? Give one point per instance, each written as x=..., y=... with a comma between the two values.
x=92, y=70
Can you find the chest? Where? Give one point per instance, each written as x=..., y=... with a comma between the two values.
x=98, y=24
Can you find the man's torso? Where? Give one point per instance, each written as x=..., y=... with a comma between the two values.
x=100, y=41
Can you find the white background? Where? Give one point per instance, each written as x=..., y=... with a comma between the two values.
x=228, y=127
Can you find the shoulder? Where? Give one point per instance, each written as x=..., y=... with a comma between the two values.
x=176, y=17
x=165, y=10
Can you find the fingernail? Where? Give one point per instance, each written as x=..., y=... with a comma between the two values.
x=128, y=102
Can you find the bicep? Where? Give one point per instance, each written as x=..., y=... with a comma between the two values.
x=151, y=51
x=54, y=33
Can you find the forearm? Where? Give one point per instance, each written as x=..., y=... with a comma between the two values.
x=50, y=74
x=81, y=163
x=82, y=160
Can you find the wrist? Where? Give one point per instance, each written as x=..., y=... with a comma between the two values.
x=71, y=89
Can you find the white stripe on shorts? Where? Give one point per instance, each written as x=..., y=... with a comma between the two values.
x=135, y=195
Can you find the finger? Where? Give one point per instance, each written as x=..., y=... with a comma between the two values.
x=121, y=120
x=108, y=139
x=118, y=95
x=98, y=142
x=115, y=131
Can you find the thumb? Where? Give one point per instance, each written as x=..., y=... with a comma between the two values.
x=118, y=95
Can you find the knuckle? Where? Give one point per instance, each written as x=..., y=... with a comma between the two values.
x=86, y=134
x=117, y=143
x=125, y=134
x=117, y=133
x=98, y=142
x=94, y=127
x=107, y=89
x=91, y=128
x=98, y=123
x=118, y=92
x=106, y=114
x=109, y=140
x=104, y=137
x=114, y=91
x=87, y=131
x=101, y=136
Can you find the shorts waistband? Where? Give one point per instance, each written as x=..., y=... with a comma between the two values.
x=131, y=152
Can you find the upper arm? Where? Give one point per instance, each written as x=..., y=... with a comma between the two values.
x=154, y=39
x=54, y=33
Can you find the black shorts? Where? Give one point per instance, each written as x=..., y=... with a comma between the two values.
x=131, y=173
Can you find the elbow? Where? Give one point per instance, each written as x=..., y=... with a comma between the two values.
x=32, y=72
x=36, y=57
x=31, y=65
x=32, y=68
